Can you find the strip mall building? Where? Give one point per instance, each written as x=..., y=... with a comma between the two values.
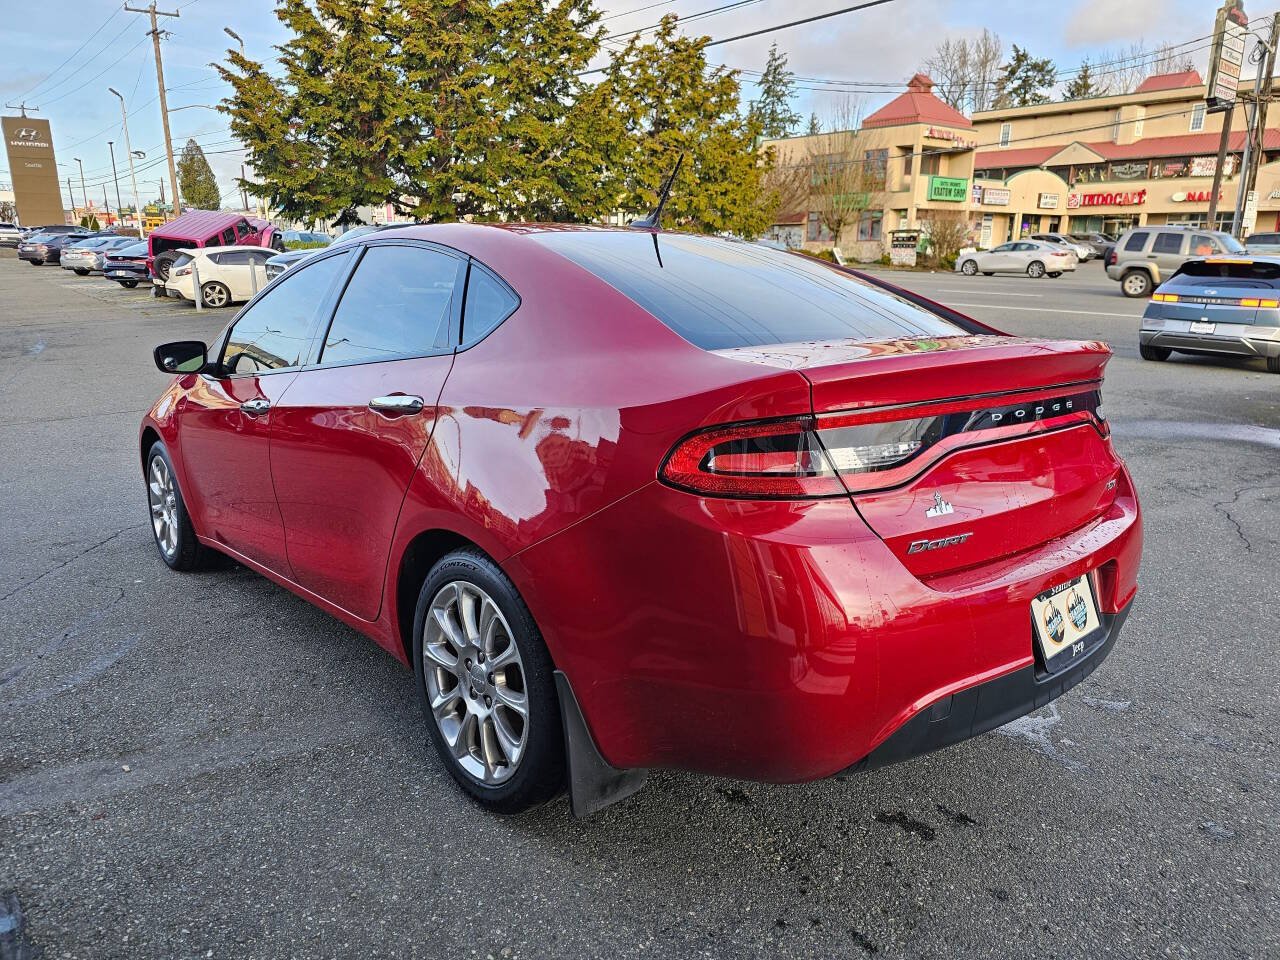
x=1098, y=164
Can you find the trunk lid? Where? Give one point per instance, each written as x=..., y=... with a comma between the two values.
x=1013, y=451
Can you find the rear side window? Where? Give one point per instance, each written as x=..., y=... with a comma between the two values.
x=1136, y=241
x=720, y=293
x=1167, y=243
x=1200, y=272
x=228, y=237
x=276, y=330
x=489, y=302
x=397, y=304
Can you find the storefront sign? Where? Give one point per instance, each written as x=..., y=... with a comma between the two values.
x=984, y=238
x=1048, y=201
x=1193, y=196
x=1230, y=30
x=1124, y=199
x=938, y=133
x=952, y=189
x=996, y=196
x=1137, y=170
x=1205, y=166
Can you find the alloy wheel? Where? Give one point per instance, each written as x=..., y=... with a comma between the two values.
x=164, y=506
x=475, y=682
x=969, y=268
x=215, y=295
x=1035, y=269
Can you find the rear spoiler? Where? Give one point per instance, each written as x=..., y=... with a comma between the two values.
x=965, y=323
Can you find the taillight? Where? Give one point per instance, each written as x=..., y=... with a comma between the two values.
x=1111, y=257
x=836, y=454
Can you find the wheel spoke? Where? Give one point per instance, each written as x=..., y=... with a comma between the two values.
x=439, y=656
x=443, y=702
x=467, y=603
x=504, y=657
x=512, y=699
x=448, y=628
x=461, y=745
x=507, y=738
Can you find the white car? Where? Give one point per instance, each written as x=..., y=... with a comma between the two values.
x=227, y=274
x=10, y=234
x=1082, y=251
x=1032, y=257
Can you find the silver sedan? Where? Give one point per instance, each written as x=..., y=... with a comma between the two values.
x=1031, y=257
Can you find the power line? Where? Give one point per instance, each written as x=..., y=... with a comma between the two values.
x=797, y=23
x=113, y=63
x=700, y=15
x=55, y=70
x=627, y=13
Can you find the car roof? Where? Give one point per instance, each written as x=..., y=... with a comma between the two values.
x=205, y=251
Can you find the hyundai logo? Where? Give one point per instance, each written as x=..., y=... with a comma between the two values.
x=27, y=133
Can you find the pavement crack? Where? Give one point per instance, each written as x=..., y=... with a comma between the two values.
x=1224, y=507
x=72, y=559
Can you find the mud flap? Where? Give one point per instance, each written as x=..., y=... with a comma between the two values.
x=593, y=783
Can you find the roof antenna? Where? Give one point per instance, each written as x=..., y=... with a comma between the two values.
x=654, y=220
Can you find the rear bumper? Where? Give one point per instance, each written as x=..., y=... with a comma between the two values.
x=1235, y=339
x=785, y=642
x=988, y=705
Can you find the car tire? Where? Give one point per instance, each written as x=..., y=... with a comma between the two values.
x=214, y=294
x=128, y=284
x=1054, y=275
x=163, y=263
x=80, y=272
x=988, y=273
x=171, y=527
x=1035, y=269
x=1148, y=352
x=1273, y=364
x=36, y=263
x=969, y=268
x=476, y=709
x=1136, y=283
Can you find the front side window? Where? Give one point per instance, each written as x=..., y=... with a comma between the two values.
x=228, y=237
x=1167, y=243
x=398, y=304
x=276, y=331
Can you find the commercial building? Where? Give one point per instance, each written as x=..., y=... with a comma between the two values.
x=1097, y=164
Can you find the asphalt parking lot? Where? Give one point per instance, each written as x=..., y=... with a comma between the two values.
x=206, y=766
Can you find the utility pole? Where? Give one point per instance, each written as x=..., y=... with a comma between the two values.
x=106, y=204
x=114, y=176
x=1260, y=110
x=124, y=119
x=244, y=196
x=1227, y=117
x=164, y=106
x=1251, y=120
x=73, y=201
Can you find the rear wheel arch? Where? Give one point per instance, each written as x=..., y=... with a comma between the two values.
x=416, y=561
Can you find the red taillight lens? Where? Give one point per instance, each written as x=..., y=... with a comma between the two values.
x=777, y=458
x=840, y=453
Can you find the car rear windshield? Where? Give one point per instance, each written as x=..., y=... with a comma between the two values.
x=1267, y=238
x=181, y=260
x=725, y=293
x=1227, y=273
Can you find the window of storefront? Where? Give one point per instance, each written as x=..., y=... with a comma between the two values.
x=1170, y=167
x=1006, y=133
x=877, y=161
x=1197, y=117
x=1222, y=221
x=816, y=231
x=1128, y=170
x=870, y=225
x=930, y=163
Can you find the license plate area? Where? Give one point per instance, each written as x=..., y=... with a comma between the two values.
x=1202, y=326
x=1066, y=623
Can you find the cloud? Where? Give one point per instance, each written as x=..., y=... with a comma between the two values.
x=1104, y=22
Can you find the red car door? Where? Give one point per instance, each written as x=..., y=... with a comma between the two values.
x=226, y=421
x=348, y=434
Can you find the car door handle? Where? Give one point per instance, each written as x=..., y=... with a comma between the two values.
x=396, y=404
x=256, y=406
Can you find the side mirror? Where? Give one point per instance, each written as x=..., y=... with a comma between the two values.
x=181, y=356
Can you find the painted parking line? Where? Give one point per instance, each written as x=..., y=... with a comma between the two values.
x=1037, y=296
x=1070, y=313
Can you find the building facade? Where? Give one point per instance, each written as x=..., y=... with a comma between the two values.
x=1100, y=164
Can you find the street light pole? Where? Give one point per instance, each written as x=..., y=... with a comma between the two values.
x=73, y=200
x=83, y=192
x=114, y=176
x=124, y=119
x=234, y=36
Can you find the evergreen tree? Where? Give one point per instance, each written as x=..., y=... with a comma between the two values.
x=815, y=125
x=1023, y=80
x=196, y=181
x=773, y=109
x=668, y=103
x=1081, y=84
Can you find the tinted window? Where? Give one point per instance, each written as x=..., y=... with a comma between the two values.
x=1136, y=241
x=1167, y=243
x=1265, y=238
x=234, y=257
x=489, y=302
x=228, y=237
x=723, y=293
x=1004, y=248
x=276, y=331
x=1203, y=272
x=396, y=305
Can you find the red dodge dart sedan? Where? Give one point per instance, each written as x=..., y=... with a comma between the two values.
x=626, y=499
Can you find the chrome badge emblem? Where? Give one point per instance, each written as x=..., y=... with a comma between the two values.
x=940, y=507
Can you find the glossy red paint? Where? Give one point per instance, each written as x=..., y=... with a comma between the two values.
x=776, y=640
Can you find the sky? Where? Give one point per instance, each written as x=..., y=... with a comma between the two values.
x=885, y=44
